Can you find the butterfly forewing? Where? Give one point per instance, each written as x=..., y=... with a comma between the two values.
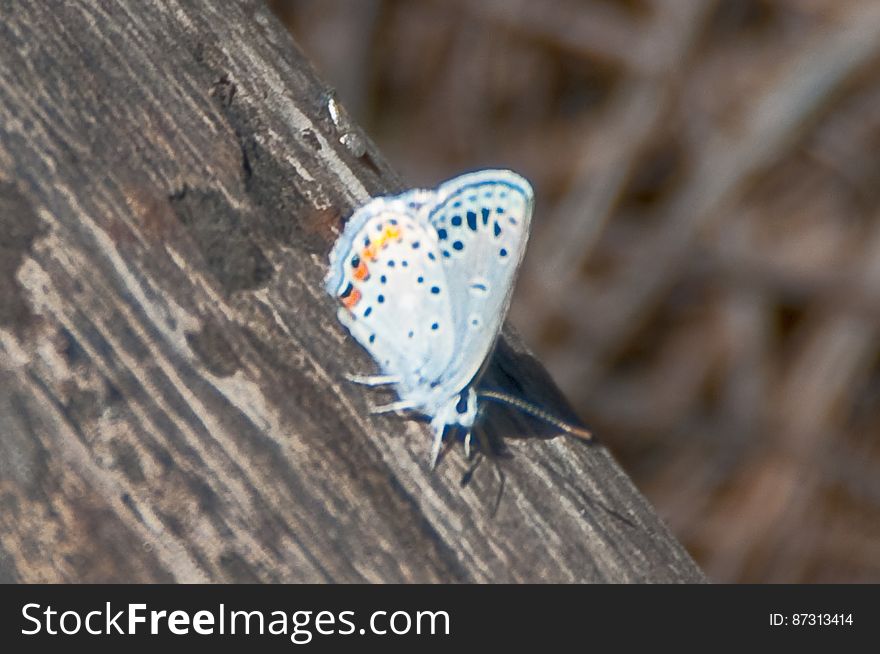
x=482, y=223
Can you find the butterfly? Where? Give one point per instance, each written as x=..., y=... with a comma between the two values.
x=424, y=280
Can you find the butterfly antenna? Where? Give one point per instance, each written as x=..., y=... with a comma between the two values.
x=537, y=412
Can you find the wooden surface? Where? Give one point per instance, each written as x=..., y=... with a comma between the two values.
x=172, y=406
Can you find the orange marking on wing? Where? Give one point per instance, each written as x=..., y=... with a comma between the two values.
x=369, y=252
x=350, y=300
x=361, y=272
x=390, y=233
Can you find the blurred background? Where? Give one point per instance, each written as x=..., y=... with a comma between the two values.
x=703, y=276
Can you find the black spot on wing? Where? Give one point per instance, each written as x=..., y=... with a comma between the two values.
x=472, y=220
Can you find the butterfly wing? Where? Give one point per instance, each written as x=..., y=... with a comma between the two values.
x=482, y=223
x=387, y=272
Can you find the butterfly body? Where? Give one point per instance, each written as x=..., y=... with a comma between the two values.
x=424, y=280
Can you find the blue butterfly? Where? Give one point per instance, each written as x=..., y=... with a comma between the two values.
x=425, y=279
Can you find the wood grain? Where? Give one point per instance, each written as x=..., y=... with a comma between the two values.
x=172, y=406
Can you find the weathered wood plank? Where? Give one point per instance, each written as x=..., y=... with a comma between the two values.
x=171, y=397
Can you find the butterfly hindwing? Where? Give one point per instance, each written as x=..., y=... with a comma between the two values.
x=386, y=271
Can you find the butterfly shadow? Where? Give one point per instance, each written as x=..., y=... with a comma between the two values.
x=517, y=374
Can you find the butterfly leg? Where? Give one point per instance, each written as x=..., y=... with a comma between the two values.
x=393, y=407
x=486, y=450
x=469, y=473
x=373, y=380
x=439, y=427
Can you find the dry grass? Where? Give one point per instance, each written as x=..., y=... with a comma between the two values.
x=703, y=279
